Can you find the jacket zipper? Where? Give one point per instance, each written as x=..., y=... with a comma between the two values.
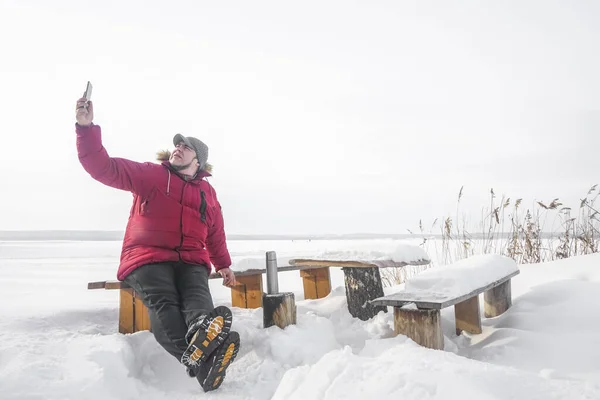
x=181, y=222
x=203, y=206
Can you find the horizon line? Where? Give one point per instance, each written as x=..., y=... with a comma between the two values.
x=114, y=235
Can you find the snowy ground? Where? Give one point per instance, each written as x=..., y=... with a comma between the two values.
x=58, y=340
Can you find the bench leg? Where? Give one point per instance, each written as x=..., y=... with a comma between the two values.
x=467, y=316
x=362, y=286
x=317, y=283
x=248, y=291
x=133, y=314
x=497, y=300
x=422, y=326
x=142, y=319
x=126, y=313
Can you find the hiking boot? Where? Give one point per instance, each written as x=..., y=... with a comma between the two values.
x=211, y=373
x=204, y=335
x=191, y=372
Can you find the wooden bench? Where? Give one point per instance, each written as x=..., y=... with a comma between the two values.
x=248, y=291
x=361, y=279
x=417, y=312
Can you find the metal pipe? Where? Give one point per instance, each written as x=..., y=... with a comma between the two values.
x=272, y=282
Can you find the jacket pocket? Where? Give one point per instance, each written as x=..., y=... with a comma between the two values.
x=144, y=206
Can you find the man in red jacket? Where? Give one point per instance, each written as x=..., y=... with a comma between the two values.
x=174, y=233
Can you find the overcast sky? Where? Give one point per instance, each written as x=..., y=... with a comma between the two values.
x=320, y=116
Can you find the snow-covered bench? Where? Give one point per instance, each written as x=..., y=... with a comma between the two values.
x=417, y=307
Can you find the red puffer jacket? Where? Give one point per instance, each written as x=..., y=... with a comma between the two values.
x=171, y=219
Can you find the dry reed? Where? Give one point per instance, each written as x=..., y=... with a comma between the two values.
x=507, y=228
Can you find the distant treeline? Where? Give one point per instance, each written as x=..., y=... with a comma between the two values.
x=118, y=235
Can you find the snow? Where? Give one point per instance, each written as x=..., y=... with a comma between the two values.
x=377, y=252
x=462, y=277
x=403, y=370
x=59, y=341
x=401, y=252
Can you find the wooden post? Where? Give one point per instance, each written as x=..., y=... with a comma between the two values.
x=141, y=317
x=497, y=300
x=126, y=311
x=133, y=314
x=467, y=316
x=363, y=285
x=248, y=291
x=422, y=326
x=279, y=309
x=317, y=282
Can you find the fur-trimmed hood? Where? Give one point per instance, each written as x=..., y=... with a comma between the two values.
x=165, y=155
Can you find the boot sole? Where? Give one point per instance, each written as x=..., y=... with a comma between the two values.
x=225, y=355
x=210, y=335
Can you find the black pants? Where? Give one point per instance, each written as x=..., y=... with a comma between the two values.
x=175, y=295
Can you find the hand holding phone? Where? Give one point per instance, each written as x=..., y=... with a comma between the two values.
x=84, y=111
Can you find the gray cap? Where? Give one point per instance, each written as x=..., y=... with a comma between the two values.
x=199, y=147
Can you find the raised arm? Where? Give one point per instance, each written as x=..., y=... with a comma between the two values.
x=114, y=172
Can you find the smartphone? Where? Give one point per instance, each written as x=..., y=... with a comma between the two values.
x=88, y=91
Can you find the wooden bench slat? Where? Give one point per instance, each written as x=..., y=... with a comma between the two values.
x=305, y=262
x=432, y=300
x=111, y=285
x=114, y=284
x=96, y=285
x=298, y=264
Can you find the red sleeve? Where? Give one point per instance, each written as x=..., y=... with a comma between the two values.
x=114, y=172
x=216, y=243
